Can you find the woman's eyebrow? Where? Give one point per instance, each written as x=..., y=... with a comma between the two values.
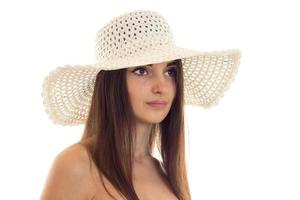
x=172, y=62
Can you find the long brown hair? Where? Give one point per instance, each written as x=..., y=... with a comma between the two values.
x=108, y=135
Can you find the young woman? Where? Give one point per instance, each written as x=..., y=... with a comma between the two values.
x=131, y=101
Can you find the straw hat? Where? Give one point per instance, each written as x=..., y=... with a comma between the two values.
x=137, y=38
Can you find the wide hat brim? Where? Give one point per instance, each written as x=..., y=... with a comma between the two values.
x=67, y=90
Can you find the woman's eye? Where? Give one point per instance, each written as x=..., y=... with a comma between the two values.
x=172, y=71
x=139, y=69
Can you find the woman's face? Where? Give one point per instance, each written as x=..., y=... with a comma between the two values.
x=154, y=82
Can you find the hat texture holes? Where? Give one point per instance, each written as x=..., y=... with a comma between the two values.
x=144, y=35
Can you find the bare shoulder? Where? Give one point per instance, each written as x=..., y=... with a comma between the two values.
x=69, y=176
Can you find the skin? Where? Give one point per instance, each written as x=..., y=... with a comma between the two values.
x=152, y=82
x=70, y=177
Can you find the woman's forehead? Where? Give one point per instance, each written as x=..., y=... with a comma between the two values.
x=164, y=63
x=167, y=62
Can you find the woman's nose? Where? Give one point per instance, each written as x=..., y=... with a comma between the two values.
x=159, y=83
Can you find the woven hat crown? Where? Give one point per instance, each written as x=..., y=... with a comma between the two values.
x=132, y=34
x=135, y=39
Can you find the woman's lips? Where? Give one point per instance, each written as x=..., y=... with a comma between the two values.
x=157, y=104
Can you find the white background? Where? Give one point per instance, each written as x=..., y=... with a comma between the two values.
x=247, y=147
